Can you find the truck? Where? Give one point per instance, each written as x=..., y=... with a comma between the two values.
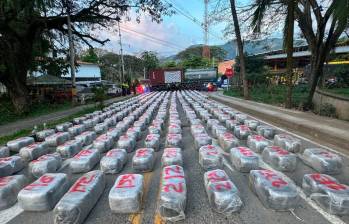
x=177, y=78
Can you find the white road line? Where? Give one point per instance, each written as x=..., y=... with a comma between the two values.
x=10, y=213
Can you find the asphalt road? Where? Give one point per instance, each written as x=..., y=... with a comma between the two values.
x=198, y=209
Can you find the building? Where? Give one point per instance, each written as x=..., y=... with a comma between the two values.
x=86, y=73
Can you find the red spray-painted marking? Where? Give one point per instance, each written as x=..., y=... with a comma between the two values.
x=43, y=181
x=279, y=150
x=214, y=176
x=178, y=187
x=258, y=138
x=126, y=181
x=5, y=180
x=245, y=151
x=321, y=179
x=327, y=155
x=83, y=153
x=80, y=185
x=272, y=177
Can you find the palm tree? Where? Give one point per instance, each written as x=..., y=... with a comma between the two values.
x=240, y=49
x=258, y=15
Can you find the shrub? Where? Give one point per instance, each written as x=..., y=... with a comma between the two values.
x=327, y=109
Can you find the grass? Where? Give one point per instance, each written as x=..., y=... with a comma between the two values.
x=274, y=95
x=8, y=115
x=339, y=91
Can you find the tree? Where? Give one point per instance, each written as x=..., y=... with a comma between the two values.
x=169, y=64
x=24, y=23
x=150, y=60
x=240, y=49
x=195, y=62
x=216, y=52
x=321, y=26
x=90, y=56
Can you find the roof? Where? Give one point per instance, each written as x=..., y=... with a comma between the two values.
x=47, y=80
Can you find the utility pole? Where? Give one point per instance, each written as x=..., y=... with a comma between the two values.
x=71, y=52
x=121, y=55
x=206, y=49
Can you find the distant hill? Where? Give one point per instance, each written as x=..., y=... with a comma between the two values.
x=251, y=47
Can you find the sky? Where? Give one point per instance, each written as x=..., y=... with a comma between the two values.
x=174, y=34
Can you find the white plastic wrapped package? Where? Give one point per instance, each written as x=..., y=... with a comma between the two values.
x=87, y=137
x=76, y=130
x=77, y=203
x=195, y=121
x=114, y=133
x=210, y=157
x=100, y=128
x=222, y=194
x=17, y=144
x=240, y=118
x=322, y=160
x=228, y=141
x=242, y=132
x=273, y=190
x=63, y=127
x=88, y=123
x=202, y=140
x=244, y=159
x=279, y=158
x=122, y=126
x=10, y=165
x=9, y=188
x=126, y=194
x=266, y=131
x=173, y=194
x=212, y=122
x=48, y=163
x=84, y=161
x=158, y=122
x=257, y=143
x=143, y=160
x=136, y=131
x=173, y=140
x=174, y=128
x=4, y=151
x=231, y=123
x=57, y=139
x=218, y=130
x=41, y=135
x=252, y=124
x=327, y=192
x=113, y=161
x=154, y=129
x=172, y=156
x=103, y=143
x=70, y=148
x=127, y=142
x=152, y=141
x=197, y=129
x=223, y=117
x=140, y=124
x=33, y=151
x=288, y=142
x=79, y=120
x=44, y=193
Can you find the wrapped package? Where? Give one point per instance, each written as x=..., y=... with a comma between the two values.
x=288, y=142
x=242, y=132
x=218, y=130
x=126, y=194
x=10, y=165
x=84, y=161
x=122, y=126
x=76, y=130
x=222, y=194
x=244, y=159
x=33, y=151
x=212, y=122
x=210, y=157
x=41, y=135
x=273, y=190
x=154, y=129
x=87, y=137
x=252, y=124
x=173, y=194
x=88, y=123
x=143, y=160
x=173, y=140
x=202, y=140
x=266, y=131
x=4, y=151
x=63, y=127
x=174, y=128
x=44, y=193
x=70, y=148
x=57, y=139
x=327, y=192
x=223, y=117
x=100, y=128
x=77, y=203
x=197, y=129
x=17, y=144
x=241, y=118
x=257, y=143
x=103, y=143
x=48, y=163
x=113, y=161
x=9, y=188
x=152, y=141
x=231, y=123
x=172, y=156
x=127, y=142
x=322, y=160
x=114, y=133
x=79, y=120
x=228, y=141
x=279, y=158
x=135, y=131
